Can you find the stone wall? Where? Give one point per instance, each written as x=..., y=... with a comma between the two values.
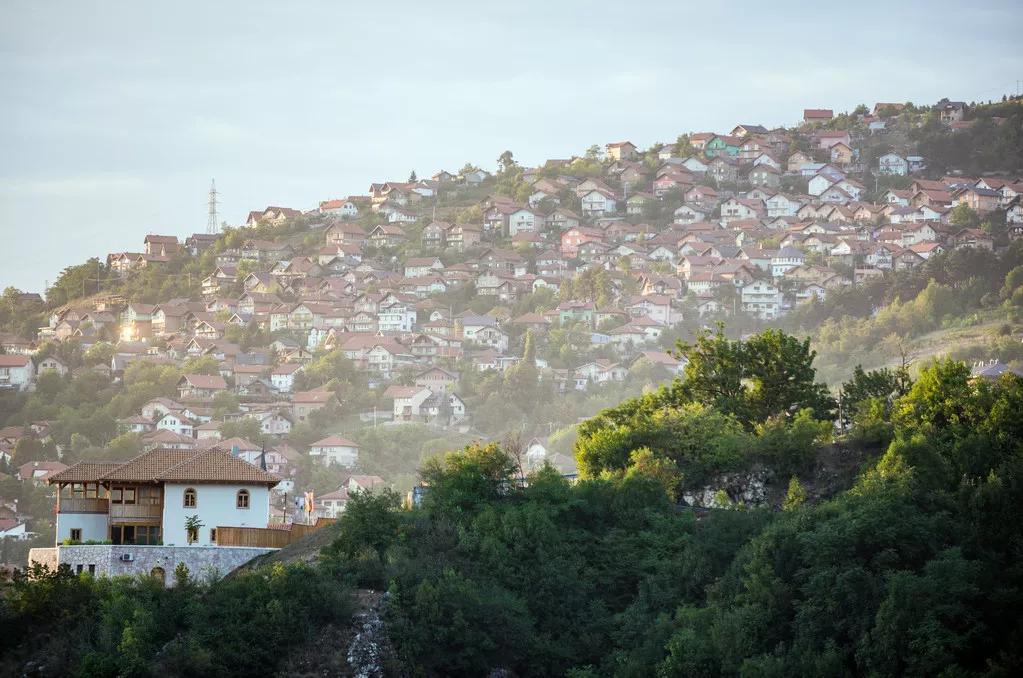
x=47, y=557
x=209, y=562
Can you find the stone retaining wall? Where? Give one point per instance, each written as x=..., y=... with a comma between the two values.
x=209, y=562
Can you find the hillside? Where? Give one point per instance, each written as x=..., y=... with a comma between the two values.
x=611, y=574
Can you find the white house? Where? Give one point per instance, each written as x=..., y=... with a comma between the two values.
x=408, y=402
x=598, y=203
x=16, y=372
x=396, y=316
x=785, y=260
x=335, y=450
x=761, y=299
x=892, y=163
x=283, y=376
x=147, y=499
x=524, y=220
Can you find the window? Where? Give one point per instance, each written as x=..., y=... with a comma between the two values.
x=242, y=501
x=76, y=534
x=78, y=569
x=213, y=535
x=189, y=498
x=92, y=568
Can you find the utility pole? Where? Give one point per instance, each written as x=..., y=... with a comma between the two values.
x=211, y=212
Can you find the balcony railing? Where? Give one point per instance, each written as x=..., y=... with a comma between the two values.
x=83, y=505
x=135, y=511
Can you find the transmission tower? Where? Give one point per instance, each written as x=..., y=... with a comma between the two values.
x=211, y=219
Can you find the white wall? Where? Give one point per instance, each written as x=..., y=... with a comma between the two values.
x=215, y=506
x=92, y=525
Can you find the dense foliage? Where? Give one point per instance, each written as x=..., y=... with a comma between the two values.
x=915, y=569
x=241, y=626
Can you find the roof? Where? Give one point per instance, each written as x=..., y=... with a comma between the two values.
x=83, y=472
x=14, y=360
x=205, y=381
x=334, y=441
x=219, y=466
x=148, y=466
x=215, y=465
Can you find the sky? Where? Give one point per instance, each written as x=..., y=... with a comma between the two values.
x=114, y=116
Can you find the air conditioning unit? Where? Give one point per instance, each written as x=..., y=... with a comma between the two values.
x=127, y=557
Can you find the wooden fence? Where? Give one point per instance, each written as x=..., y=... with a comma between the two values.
x=268, y=537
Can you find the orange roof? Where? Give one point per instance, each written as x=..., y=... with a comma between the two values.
x=217, y=465
x=149, y=465
x=83, y=472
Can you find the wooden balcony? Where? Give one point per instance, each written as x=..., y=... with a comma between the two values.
x=133, y=512
x=83, y=505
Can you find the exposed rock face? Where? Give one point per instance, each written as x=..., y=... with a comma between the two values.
x=370, y=647
x=748, y=488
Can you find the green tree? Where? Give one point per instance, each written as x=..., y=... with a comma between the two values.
x=795, y=496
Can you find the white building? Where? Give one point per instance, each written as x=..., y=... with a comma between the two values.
x=335, y=450
x=761, y=299
x=16, y=372
x=598, y=202
x=147, y=500
x=893, y=164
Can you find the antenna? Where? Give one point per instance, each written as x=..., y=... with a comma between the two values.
x=211, y=219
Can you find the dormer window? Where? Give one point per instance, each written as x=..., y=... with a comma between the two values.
x=190, y=498
x=242, y=500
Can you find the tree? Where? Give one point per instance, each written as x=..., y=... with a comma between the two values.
x=412, y=177
x=192, y=526
x=242, y=427
x=964, y=216
x=770, y=374
x=506, y=162
x=795, y=496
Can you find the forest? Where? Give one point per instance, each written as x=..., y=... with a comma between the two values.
x=912, y=567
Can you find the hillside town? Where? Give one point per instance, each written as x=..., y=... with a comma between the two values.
x=389, y=308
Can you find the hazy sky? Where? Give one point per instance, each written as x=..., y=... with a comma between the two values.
x=114, y=116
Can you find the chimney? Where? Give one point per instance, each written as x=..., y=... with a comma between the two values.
x=234, y=450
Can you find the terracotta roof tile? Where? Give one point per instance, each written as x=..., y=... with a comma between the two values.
x=217, y=465
x=149, y=465
x=83, y=472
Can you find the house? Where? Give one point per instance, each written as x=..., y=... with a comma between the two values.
x=16, y=372
x=304, y=403
x=761, y=299
x=950, y=112
x=146, y=501
x=841, y=153
x=786, y=259
x=893, y=164
x=335, y=450
x=52, y=364
x=436, y=379
x=765, y=175
x=722, y=145
x=600, y=371
x=161, y=245
x=817, y=115
x=39, y=471
x=978, y=199
x=408, y=402
x=283, y=376
x=599, y=202
x=828, y=139
x=797, y=160
x=621, y=150
x=346, y=209
x=200, y=386
x=573, y=238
